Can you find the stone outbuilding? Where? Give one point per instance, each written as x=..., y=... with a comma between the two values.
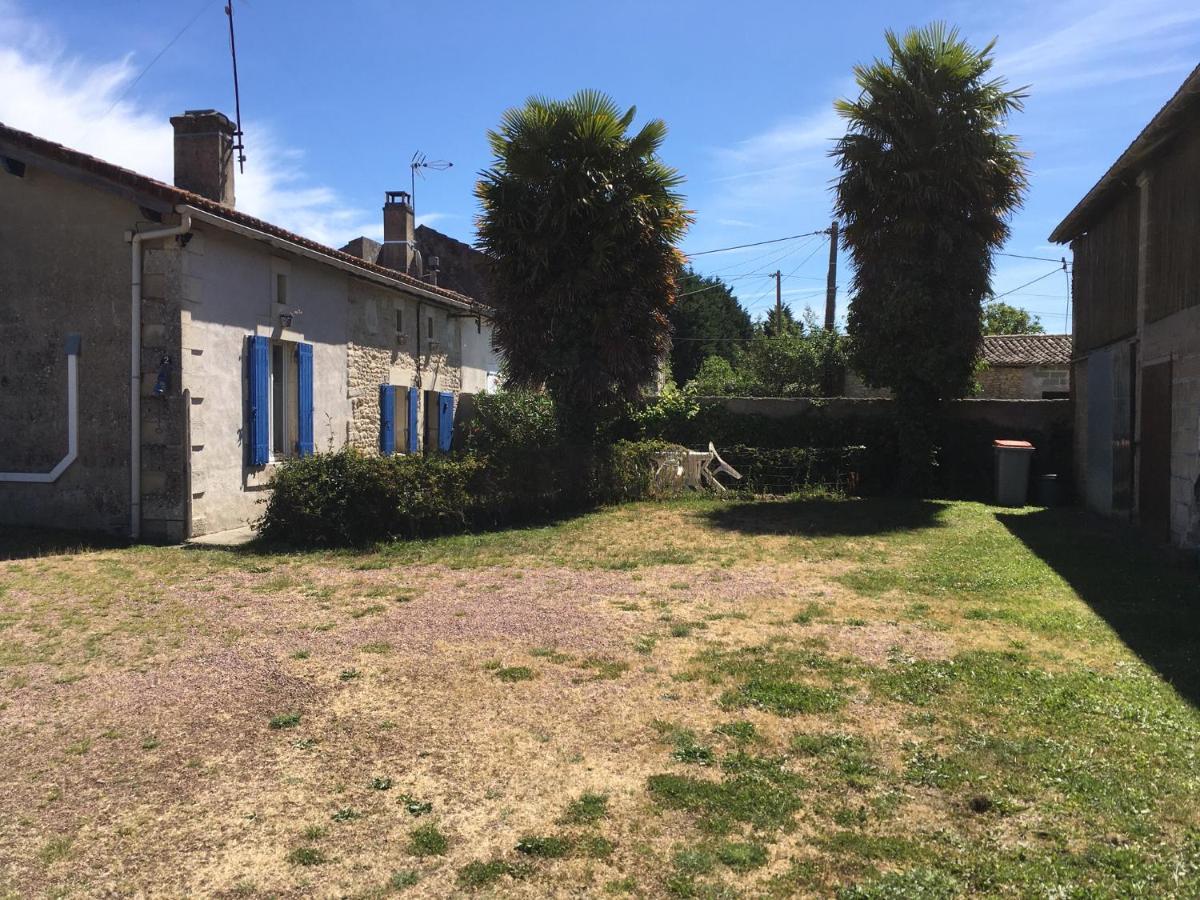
x=161, y=351
x=1025, y=367
x=1135, y=237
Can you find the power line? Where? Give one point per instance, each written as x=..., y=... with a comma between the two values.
x=790, y=237
x=171, y=43
x=1028, y=283
x=1038, y=258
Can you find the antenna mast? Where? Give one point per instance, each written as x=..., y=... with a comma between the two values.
x=420, y=161
x=239, y=144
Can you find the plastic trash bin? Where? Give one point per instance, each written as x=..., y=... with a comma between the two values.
x=1012, y=471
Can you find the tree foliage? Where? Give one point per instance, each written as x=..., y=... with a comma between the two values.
x=794, y=363
x=928, y=180
x=1001, y=318
x=581, y=218
x=706, y=320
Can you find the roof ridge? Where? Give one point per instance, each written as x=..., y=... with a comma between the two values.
x=177, y=195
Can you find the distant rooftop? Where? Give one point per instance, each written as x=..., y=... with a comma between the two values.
x=1027, y=349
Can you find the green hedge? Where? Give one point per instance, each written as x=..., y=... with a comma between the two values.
x=854, y=452
x=348, y=498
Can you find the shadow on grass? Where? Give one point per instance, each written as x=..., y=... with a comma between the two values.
x=820, y=517
x=1149, y=595
x=29, y=543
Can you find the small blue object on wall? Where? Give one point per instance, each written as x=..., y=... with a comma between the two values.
x=164, y=372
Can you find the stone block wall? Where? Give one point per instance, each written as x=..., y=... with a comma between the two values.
x=164, y=454
x=379, y=354
x=1002, y=382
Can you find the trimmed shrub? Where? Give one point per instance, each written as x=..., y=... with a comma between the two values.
x=348, y=498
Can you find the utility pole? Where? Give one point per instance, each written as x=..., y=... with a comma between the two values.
x=831, y=282
x=778, y=303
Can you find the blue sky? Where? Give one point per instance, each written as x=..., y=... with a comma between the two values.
x=337, y=97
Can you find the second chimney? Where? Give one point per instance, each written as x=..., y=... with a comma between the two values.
x=204, y=154
x=399, y=245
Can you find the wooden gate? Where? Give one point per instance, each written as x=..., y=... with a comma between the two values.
x=1154, y=481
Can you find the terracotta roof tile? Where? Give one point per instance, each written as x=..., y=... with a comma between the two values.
x=1027, y=349
x=173, y=195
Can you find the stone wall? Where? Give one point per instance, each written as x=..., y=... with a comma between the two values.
x=64, y=268
x=1023, y=382
x=380, y=354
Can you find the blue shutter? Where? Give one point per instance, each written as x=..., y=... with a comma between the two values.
x=258, y=367
x=445, y=420
x=387, y=419
x=414, y=433
x=304, y=384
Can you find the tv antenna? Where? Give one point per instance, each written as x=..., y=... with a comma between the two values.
x=239, y=145
x=419, y=162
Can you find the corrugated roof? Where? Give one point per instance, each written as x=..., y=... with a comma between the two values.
x=1026, y=349
x=172, y=195
x=1182, y=107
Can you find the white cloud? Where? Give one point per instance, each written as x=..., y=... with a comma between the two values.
x=787, y=162
x=74, y=102
x=1103, y=45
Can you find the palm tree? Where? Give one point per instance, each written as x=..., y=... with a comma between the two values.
x=928, y=181
x=581, y=219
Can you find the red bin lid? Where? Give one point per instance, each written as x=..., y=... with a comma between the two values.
x=1013, y=445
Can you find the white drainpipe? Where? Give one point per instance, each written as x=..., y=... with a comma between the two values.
x=135, y=240
x=73, y=342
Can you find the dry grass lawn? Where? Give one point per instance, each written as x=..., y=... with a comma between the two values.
x=694, y=699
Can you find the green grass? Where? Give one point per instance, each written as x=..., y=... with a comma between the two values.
x=587, y=809
x=545, y=846
x=427, y=841
x=515, y=673
x=1024, y=723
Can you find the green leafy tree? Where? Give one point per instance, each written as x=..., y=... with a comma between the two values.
x=706, y=320
x=928, y=180
x=1001, y=318
x=581, y=218
x=792, y=364
x=781, y=323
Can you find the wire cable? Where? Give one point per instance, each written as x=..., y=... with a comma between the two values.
x=171, y=43
x=1056, y=269
x=790, y=237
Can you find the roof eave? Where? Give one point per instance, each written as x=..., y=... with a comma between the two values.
x=1161, y=128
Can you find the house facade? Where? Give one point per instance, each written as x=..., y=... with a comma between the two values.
x=161, y=352
x=1025, y=367
x=1136, y=292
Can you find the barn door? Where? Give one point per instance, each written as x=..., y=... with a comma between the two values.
x=1154, y=482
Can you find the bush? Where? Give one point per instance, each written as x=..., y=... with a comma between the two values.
x=348, y=498
x=511, y=421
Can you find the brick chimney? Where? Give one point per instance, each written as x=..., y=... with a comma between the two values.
x=399, y=246
x=204, y=155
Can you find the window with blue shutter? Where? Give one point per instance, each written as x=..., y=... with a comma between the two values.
x=387, y=419
x=304, y=385
x=414, y=433
x=258, y=366
x=445, y=420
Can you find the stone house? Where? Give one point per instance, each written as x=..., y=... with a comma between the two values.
x=1025, y=367
x=1136, y=289
x=161, y=351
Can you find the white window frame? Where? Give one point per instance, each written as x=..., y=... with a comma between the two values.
x=289, y=394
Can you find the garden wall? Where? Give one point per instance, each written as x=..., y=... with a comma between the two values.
x=964, y=436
